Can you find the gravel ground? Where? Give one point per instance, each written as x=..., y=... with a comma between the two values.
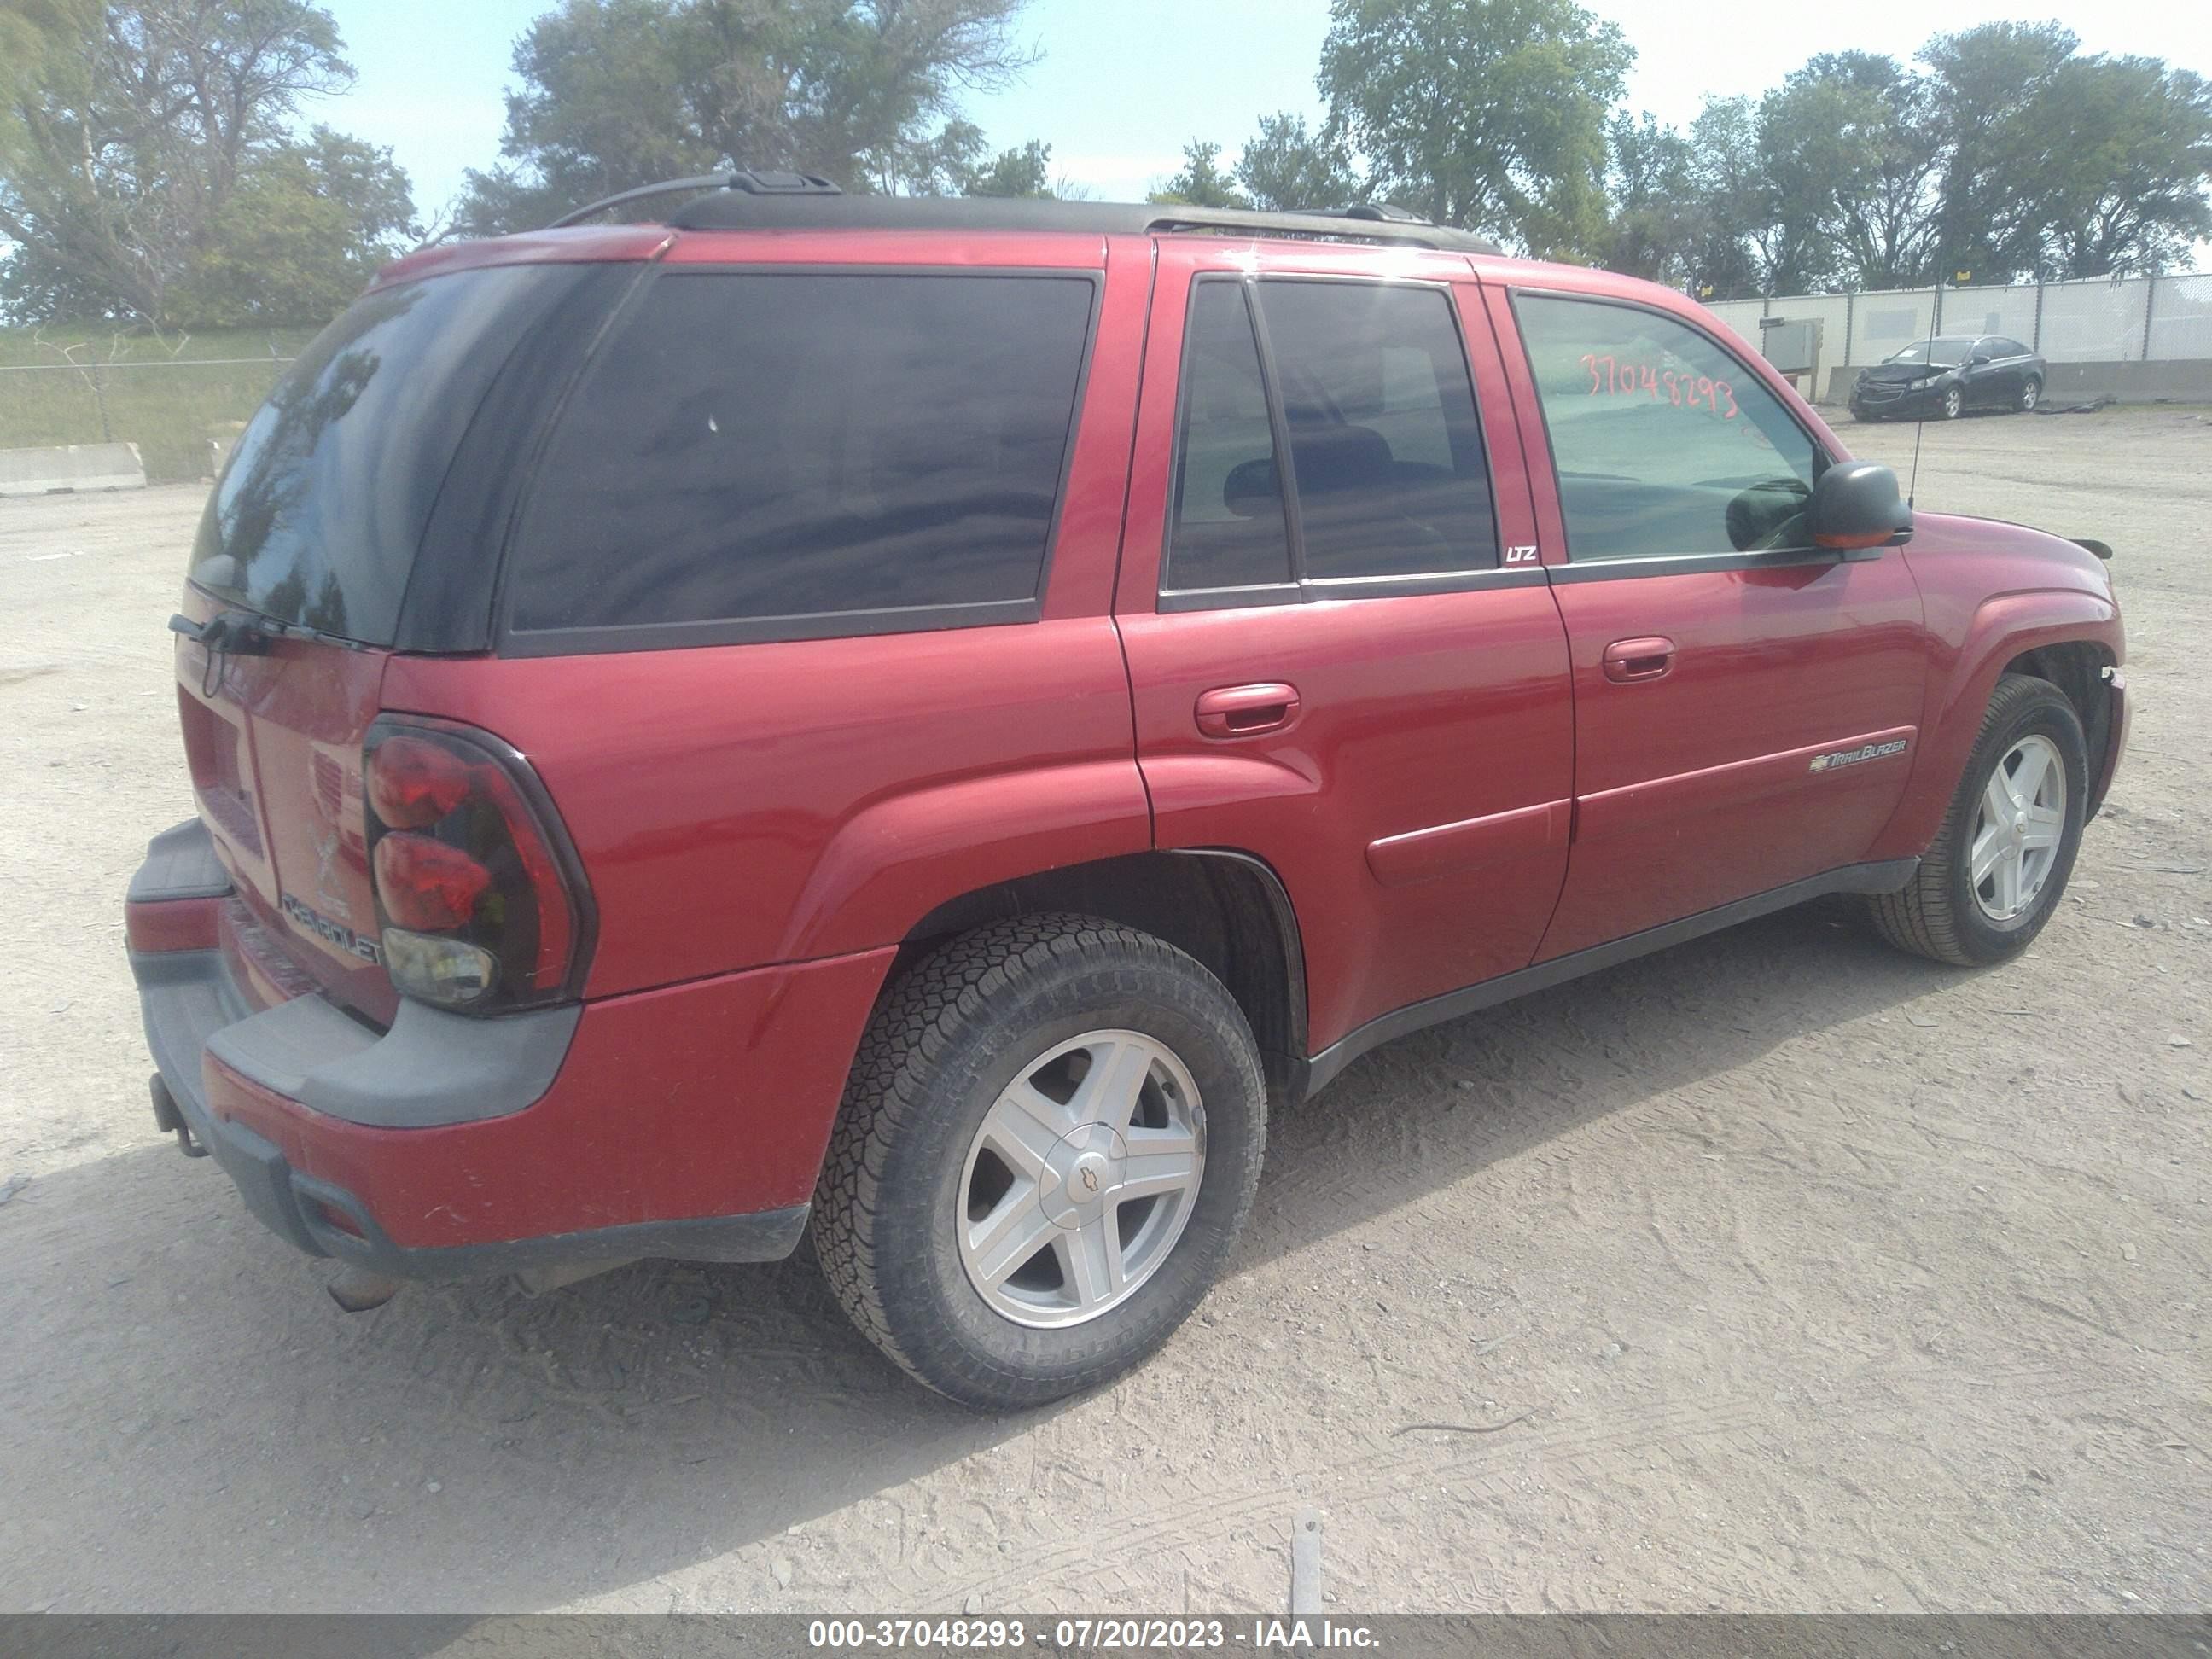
x=1774, y=1272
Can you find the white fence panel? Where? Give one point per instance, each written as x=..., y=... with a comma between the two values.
x=2180, y=318
x=1743, y=316
x=2093, y=322
x=2009, y=311
x=1884, y=324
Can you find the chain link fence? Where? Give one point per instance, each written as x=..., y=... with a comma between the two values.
x=174, y=411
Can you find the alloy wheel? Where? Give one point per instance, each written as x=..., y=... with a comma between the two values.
x=2019, y=824
x=1081, y=1178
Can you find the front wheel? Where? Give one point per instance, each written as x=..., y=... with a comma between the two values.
x=1050, y=1140
x=1997, y=867
x=1953, y=403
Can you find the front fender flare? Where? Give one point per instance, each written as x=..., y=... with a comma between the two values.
x=2003, y=627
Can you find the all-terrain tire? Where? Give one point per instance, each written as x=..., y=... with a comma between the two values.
x=1936, y=914
x=950, y=1035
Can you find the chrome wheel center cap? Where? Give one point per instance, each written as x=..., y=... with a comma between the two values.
x=1081, y=1171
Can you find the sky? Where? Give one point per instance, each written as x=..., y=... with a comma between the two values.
x=1123, y=83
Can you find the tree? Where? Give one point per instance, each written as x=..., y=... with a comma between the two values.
x=1201, y=183
x=1487, y=114
x=302, y=235
x=1814, y=154
x=933, y=164
x=141, y=140
x=1731, y=196
x=1987, y=84
x=1884, y=223
x=2126, y=191
x=1285, y=167
x=617, y=93
x=1024, y=170
x=1657, y=218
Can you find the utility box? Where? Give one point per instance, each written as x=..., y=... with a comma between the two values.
x=1792, y=344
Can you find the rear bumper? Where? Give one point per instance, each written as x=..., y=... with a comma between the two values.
x=685, y=1122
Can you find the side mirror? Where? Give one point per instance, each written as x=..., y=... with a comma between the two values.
x=1856, y=510
x=1979, y=357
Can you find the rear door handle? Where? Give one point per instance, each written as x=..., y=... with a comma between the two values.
x=1246, y=711
x=1648, y=657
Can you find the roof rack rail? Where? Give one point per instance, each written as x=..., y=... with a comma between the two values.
x=760, y=198
x=739, y=208
x=753, y=181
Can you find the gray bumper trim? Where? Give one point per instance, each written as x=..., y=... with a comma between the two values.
x=430, y=1068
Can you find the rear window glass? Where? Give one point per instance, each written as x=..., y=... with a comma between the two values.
x=751, y=446
x=323, y=504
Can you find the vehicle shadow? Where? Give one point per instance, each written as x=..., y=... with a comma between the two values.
x=211, y=1433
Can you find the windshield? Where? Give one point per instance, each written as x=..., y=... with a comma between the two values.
x=318, y=516
x=1940, y=352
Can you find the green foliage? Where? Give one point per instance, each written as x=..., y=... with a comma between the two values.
x=1285, y=167
x=1987, y=85
x=1026, y=171
x=149, y=168
x=2004, y=153
x=1487, y=114
x=1658, y=219
x=2126, y=190
x=301, y=236
x=617, y=93
x=1201, y=183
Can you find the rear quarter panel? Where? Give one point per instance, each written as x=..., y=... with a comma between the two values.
x=740, y=805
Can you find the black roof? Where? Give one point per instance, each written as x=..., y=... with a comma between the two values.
x=749, y=201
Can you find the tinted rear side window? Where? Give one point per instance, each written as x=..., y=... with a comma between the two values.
x=1228, y=525
x=322, y=508
x=1385, y=447
x=756, y=446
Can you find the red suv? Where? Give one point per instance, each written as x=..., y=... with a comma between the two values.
x=924, y=717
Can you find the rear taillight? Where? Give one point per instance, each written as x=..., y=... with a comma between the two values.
x=481, y=900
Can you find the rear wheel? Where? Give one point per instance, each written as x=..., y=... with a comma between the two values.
x=2031, y=394
x=1999, y=864
x=1049, y=1142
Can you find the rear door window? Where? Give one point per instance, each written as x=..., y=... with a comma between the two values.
x=1385, y=448
x=786, y=454
x=1229, y=528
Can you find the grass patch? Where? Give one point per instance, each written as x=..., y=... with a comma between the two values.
x=168, y=396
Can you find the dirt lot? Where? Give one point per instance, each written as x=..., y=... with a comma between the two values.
x=1777, y=1272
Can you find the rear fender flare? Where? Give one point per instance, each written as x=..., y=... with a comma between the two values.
x=898, y=858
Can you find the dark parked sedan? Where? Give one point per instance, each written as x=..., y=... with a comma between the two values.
x=1947, y=376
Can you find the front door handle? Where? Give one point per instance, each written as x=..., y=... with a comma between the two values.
x=1245, y=711
x=1648, y=657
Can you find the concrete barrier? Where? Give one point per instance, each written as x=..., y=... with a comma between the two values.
x=74, y=466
